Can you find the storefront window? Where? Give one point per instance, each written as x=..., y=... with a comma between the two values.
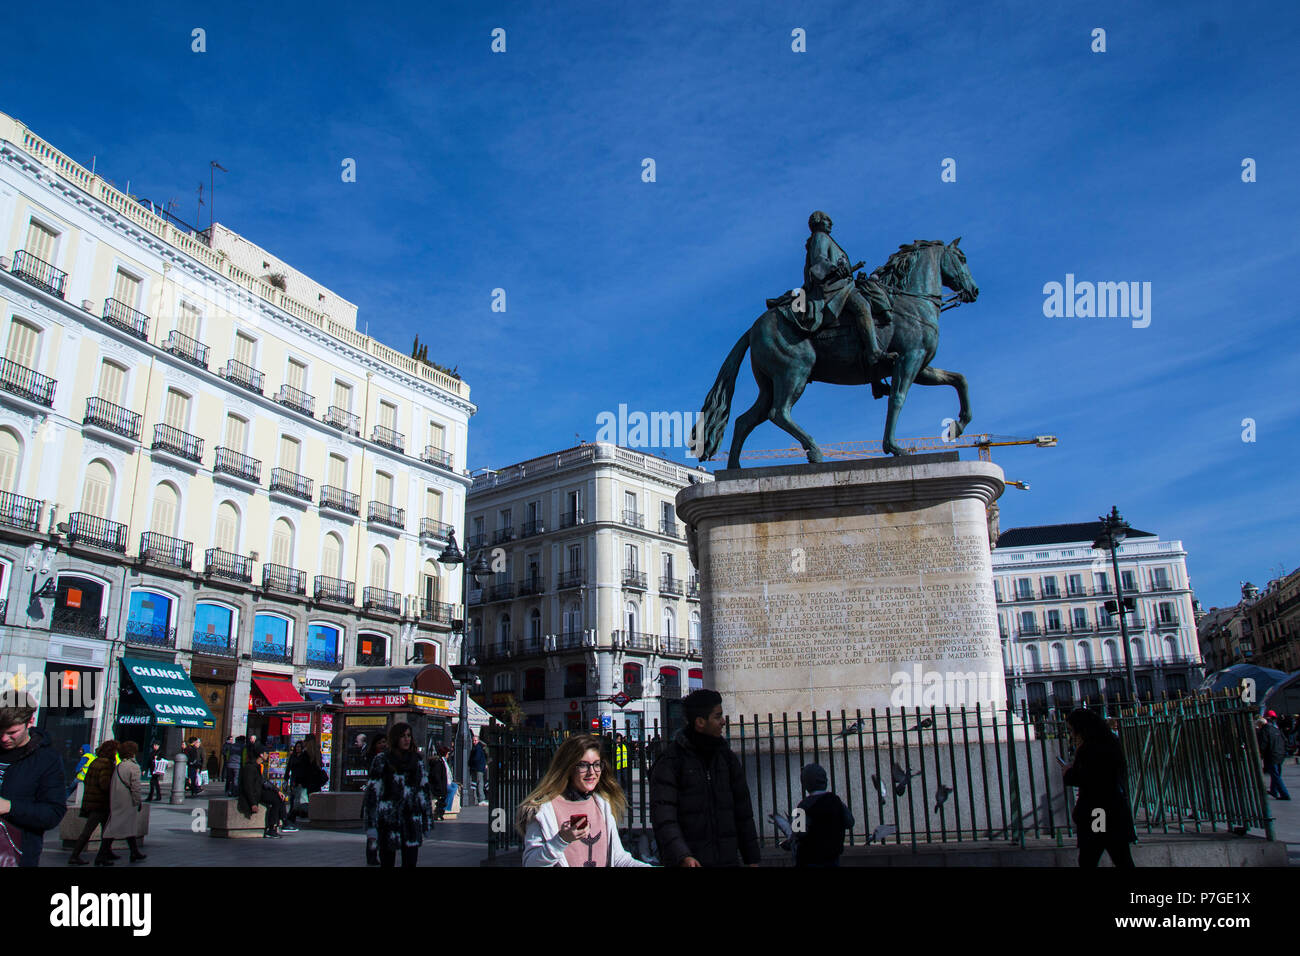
x=322, y=646
x=149, y=620
x=271, y=639
x=213, y=627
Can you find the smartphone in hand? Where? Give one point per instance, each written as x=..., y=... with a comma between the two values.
x=578, y=821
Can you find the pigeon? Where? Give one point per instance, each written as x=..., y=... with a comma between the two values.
x=880, y=788
x=941, y=796
x=923, y=725
x=879, y=834
x=853, y=728
x=782, y=823
x=902, y=779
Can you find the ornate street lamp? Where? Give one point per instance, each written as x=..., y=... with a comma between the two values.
x=466, y=672
x=1115, y=529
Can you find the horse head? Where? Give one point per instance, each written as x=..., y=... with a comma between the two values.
x=955, y=274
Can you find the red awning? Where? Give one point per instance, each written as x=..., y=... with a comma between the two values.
x=277, y=691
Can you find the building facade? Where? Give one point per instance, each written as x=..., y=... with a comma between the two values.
x=202, y=462
x=1061, y=647
x=592, y=592
x=1226, y=634
x=1275, y=624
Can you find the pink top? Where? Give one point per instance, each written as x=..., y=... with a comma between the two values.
x=593, y=849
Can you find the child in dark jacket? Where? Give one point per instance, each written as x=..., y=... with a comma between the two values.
x=825, y=821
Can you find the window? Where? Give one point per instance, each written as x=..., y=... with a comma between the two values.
x=535, y=628
x=282, y=543
x=1032, y=662
x=150, y=615
x=671, y=685
x=433, y=504
x=166, y=505
x=372, y=649
x=572, y=619
x=1103, y=582
x=187, y=320
x=331, y=556
x=431, y=583
x=695, y=626
x=322, y=643
x=1054, y=620
x=112, y=383
x=383, y=488
x=1049, y=587
x=1085, y=654
x=505, y=516
x=97, y=493
x=379, y=568
x=631, y=615
x=213, y=626
x=23, y=342
x=575, y=557
x=1024, y=588
x=1058, y=657
x=388, y=416
x=1161, y=579
x=227, y=527
x=176, y=409
x=668, y=513
x=535, y=684
x=630, y=557
x=1129, y=581
x=236, y=433
x=40, y=242
x=245, y=349
x=1028, y=625
x=629, y=502
x=338, y=472
x=631, y=675
x=574, y=503
x=437, y=436
x=271, y=633
x=290, y=453
x=1139, y=652
x=503, y=683
x=1080, y=618
x=296, y=376
x=11, y=457
x=126, y=289
x=1165, y=610
x=1074, y=583
x=669, y=623
x=694, y=679
x=1110, y=653
x=342, y=395
x=503, y=629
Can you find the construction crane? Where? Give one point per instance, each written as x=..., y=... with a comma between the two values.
x=872, y=449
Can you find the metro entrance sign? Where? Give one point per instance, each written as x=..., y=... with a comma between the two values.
x=621, y=699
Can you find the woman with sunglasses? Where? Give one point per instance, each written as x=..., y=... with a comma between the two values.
x=571, y=819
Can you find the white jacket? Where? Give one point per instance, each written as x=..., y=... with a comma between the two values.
x=543, y=845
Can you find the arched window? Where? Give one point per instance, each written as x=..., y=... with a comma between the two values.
x=1139, y=652
x=282, y=543
x=331, y=556
x=671, y=684
x=503, y=630
x=1031, y=658
x=1110, y=653
x=149, y=621
x=695, y=626
x=694, y=679
x=535, y=629
x=227, y=536
x=272, y=639
x=1058, y=657
x=669, y=623
x=11, y=460
x=632, y=677
x=166, y=506
x=430, y=583
x=24, y=344
x=97, y=494
x=1171, y=648
x=632, y=615
x=504, y=683
x=372, y=650
x=1085, y=654
x=535, y=684
x=323, y=648
x=379, y=568
x=214, y=630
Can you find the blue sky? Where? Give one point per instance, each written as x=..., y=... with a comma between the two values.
x=522, y=171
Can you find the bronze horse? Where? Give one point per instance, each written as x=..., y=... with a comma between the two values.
x=785, y=359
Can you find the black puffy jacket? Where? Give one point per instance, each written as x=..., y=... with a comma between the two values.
x=701, y=809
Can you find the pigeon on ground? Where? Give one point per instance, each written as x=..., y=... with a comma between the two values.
x=879, y=834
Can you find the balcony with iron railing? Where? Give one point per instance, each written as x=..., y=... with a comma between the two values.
x=187, y=349
x=634, y=519
x=273, y=652
x=569, y=640
x=503, y=535
x=694, y=647
x=342, y=419
x=530, y=528
x=670, y=528
x=373, y=659
x=572, y=578
x=634, y=579
x=81, y=622
x=386, y=515
x=160, y=549
x=113, y=418
x=388, y=438
x=434, y=455
x=324, y=657
x=122, y=316
x=436, y=612
x=232, y=567
x=634, y=690
x=476, y=541
x=25, y=383
x=673, y=645
x=571, y=519
x=243, y=375
x=217, y=645
x=232, y=463
x=176, y=442
x=291, y=483
x=501, y=592
x=433, y=530
x=150, y=634
x=693, y=588
x=298, y=400
x=97, y=532
x=381, y=601
x=277, y=577
x=38, y=273
x=637, y=640
x=672, y=586
x=500, y=651
x=1163, y=623
x=19, y=512
x=336, y=499
x=334, y=590
x=531, y=586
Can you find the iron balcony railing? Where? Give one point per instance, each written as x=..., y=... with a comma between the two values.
x=324, y=657
x=388, y=438
x=637, y=640
x=531, y=528
x=150, y=634
x=82, y=622
x=1166, y=622
x=22, y=381
x=231, y=462
x=568, y=640
x=476, y=541
x=122, y=316
x=186, y=348
x=436, y=612
x=634, y=519
x=571, y=519
x=377, y=599
x=19, y=512
x=39, y=273
x=694, y=648
x=96, y=531
x=291, y=483
x=634, y=579
x=503, y=535
x=169, y=439
x=671, y=586
x=113, y=418
x=693, y=588
x=501, y=592
x=436, y=530
x=530, y=586
x=241, y=374
x=381, y=513
x=272, y=651
x=634, y=690
x=218, y=645
x=277, y=577
x=672, y=645
x=299, y=401
x=340, y=500
x=500, y=651
x=223, y=564
x=670, y=528
x=572, y=578
x=341, y=418
x=437, y=456
x=160, y=549
x=372, y=659
x=334, y=590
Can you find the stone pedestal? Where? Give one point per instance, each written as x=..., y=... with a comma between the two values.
x=848, y=585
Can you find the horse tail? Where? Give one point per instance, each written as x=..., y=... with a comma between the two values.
x=707, y=433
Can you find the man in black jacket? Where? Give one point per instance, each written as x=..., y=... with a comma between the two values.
x=33, y=794
x=700, y=805
x=826, y=820
x=254, y=790
x=1272, y=748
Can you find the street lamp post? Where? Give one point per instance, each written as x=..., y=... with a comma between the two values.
x=466, y=672
x=1115, y=529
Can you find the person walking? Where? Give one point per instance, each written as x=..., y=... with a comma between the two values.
x=439, y=778
x=95, y=800
x=33, y=793
x=397, y=809
x=571, y=818
x=193, y=757
x=1272, y=749
x=293, y=775
x=478, y=763
x=1102, y=815
x=124, y=808
x=700, y=805
x=156, y=763
x=826, y=820
x=233, y=752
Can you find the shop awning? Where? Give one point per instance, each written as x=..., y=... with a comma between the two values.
x=168, y=691
x=277, y=691
x=428, y=680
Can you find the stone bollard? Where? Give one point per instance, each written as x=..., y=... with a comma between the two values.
x=179, y=771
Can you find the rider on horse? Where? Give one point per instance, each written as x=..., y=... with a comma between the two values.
x=827, y=277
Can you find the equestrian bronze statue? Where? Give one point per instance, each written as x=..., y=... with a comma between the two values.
x=844, y=330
